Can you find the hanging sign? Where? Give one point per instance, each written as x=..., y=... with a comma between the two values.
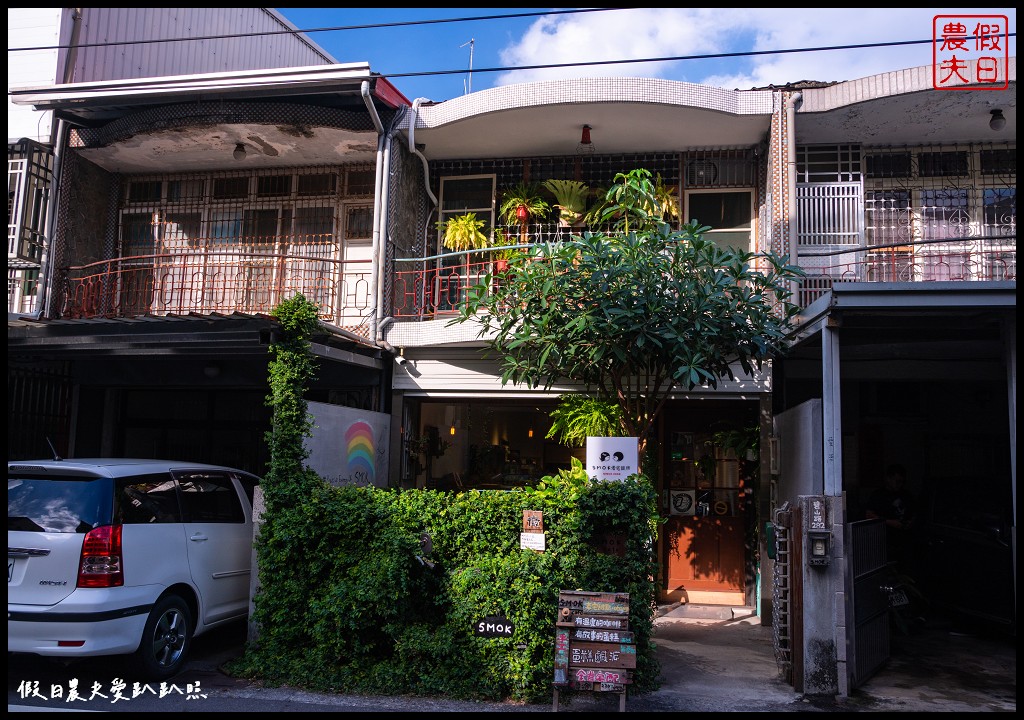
x=612, y=458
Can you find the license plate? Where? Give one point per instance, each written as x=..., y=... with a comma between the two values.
x=898, y=598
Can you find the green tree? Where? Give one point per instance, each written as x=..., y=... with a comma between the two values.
x=635, y=316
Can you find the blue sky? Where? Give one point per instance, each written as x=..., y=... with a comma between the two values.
x=402, y=53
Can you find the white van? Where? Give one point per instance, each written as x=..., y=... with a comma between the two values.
x=125, y=556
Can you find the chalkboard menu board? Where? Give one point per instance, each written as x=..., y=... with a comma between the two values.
x=594, y=647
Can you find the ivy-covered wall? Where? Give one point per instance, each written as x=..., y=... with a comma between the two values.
x=373, y=590
x=350, y=601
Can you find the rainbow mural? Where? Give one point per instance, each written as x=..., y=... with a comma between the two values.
x=359, y=451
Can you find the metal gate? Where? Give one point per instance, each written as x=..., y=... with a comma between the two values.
x=869, y=601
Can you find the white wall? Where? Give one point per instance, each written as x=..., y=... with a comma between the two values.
x=31, y=27
x=349, y=446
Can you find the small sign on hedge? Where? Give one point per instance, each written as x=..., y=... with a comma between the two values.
x=494, y=626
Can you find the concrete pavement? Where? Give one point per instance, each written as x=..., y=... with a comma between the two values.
x=713, y=658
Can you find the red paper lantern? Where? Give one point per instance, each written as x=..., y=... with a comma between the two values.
x=521, y=213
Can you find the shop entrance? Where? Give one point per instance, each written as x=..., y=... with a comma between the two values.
x=482, y=444
x=710, y=468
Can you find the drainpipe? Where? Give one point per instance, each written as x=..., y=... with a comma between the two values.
x=72, y=56
x=791, y=104
x=378, y=181
x=380, y=246
x=417, y=153
x=380, y=321
x=426, y=168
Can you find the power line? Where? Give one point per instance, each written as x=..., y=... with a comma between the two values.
x=404, y=23
x=710, y=56
x=549, y=66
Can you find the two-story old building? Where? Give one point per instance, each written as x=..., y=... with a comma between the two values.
x=183, y=209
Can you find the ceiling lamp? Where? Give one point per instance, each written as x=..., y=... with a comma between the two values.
x=239, y=153
x=998, y=122
x=586, y=147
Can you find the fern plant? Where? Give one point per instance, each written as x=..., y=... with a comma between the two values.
x=463, y=232
x=578, y=417
x=520, y=204
x=570, y=198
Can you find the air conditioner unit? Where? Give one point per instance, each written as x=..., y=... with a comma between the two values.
x=701, y=172
x=681, y=502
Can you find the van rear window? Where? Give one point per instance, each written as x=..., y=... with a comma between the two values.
x=74, y=505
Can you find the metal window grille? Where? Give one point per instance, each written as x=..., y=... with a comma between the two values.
x=29, y=173
x=927, y=213
x=235, y=241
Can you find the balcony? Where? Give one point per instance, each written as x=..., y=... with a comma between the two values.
x=436, y=287
x=969, y=259
x=221, y=282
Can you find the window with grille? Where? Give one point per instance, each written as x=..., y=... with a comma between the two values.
x=241, y=241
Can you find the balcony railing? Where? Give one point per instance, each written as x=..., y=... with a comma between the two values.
x=222, y=282
x=428, y=288
x=952, y=260
x=438, y=286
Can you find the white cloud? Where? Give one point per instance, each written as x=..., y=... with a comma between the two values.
x=652, y=33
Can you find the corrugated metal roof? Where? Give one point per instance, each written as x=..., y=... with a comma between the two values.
x=151, y=41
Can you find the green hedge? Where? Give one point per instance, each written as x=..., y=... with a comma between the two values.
x=348, y=603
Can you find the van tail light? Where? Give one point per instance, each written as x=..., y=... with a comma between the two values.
x=102, y=563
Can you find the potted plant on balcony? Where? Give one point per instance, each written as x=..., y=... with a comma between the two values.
x=520, y=204
x=502, y=256
x=463, y=232
x=668, y=199
x=570, y=199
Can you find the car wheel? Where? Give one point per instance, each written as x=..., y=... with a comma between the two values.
x=166, y=639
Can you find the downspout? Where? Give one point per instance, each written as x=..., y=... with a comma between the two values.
x=72, y=57
x=414, y=116
x=378, y=182
x=791, y=211
x=379, y=322
x=416, y=152
x=426, y=169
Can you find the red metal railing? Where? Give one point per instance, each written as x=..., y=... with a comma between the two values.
x=438, y=286
x=223, y=282
x=950, y=260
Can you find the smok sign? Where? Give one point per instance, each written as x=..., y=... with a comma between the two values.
x=494, y=626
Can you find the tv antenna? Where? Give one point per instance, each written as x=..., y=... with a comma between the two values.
x=468, y=84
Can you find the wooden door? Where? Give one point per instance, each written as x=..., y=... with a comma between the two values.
x=705, y=555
